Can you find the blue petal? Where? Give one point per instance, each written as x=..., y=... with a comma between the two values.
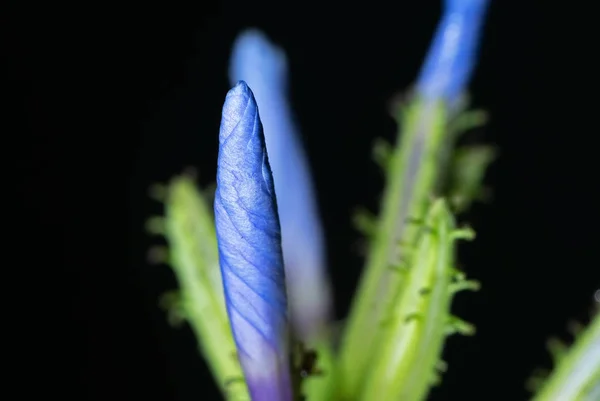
x=249, y=239
x=449, y=64
x=257, y=61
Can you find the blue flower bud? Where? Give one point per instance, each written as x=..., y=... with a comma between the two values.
x=452, y=55
x=263, y=66
x=250, y=256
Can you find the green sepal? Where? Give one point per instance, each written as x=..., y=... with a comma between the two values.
x=406, y=359
x=411, y=174
x=188, y=226
x=576, y=375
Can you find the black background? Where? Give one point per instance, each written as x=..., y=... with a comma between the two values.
x=109, y=100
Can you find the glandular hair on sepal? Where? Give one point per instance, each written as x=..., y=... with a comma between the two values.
x=466, y=121
x=557, y=348
x=463, y=285
x=158, y=255
x=155, y=225
x=365, y=222
x=158, y=192
x=382, y=153
x=457, y=325
x=465, y=233
x=172, y=303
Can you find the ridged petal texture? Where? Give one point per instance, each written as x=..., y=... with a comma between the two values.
x=451, y=58
x=263, y=66
x=250, y=256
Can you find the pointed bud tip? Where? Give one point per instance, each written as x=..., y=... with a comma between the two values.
x=240, y=89
x=239, y=105
x=237, y=98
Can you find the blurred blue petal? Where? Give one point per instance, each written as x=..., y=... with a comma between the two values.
x=248, y=235
x=264, y=67
x=449, y=64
